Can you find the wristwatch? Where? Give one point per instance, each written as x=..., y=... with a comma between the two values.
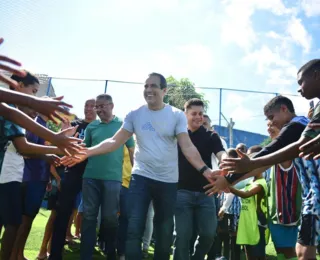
x=203, y=169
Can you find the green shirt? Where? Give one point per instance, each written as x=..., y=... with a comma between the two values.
x=106, y=167
x=248, y=230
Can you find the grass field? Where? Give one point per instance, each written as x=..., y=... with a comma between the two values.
x=73, y=253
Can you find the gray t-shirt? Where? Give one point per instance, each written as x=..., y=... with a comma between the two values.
x=156, y=152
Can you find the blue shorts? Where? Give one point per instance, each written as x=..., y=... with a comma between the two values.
x=283, y=236
x=10, y=204
x=32, y=196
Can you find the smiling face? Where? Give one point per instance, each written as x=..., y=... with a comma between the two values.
x=195, y=117
x=279, y=117
x=153, y=93
x=272, y=130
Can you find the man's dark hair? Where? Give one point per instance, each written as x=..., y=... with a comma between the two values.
x=163, y=81
x=193, y=102
x=277, y=102
x=106, y=97
x=310, y=66
x=254, y=149
x=29, y=79
x=232, y=153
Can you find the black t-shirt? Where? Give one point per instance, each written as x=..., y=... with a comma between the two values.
x=207, y=143
x=289, y=134
x=82, y=125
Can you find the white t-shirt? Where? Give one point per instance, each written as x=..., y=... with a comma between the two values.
x=156, y=152
x=12, y=166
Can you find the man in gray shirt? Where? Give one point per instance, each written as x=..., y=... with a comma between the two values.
x=158, y=128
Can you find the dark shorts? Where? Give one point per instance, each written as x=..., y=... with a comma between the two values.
x=10, y=204
x=53, y=201
x=309, y=231
x=32, y=196
x=258, y=250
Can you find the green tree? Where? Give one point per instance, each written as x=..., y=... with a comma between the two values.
x=180, y=91
x=266, y=142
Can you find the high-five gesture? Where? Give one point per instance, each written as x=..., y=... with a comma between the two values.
x=238, y=165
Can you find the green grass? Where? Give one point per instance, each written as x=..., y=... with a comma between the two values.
x=73, y=253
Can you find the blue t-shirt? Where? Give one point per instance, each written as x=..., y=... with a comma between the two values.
x=36, y=169
x=8, y=131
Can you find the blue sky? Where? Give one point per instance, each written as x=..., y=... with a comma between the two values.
x=239, y=44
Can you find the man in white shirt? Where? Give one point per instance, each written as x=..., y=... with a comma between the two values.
x=158, y=128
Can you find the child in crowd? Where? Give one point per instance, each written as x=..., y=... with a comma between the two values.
x=253, y=215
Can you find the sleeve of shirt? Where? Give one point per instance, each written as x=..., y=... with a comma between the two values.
x=216, y=144
x=227, y=201
x=309, y=132
x=12, y=130
x=128, y=122
x=32, y=138
x=288, y=135
x=87, y=137
x=181, y=125
x=130, y=142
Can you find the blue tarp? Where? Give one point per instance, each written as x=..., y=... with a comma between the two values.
x=240, y=136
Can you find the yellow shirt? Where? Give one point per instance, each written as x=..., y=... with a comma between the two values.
x=126, y=168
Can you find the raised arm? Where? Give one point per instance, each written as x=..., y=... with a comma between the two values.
x=193, y=156
x=107, y=146
x=61, y=140
x=110, y=144
x=246, y=194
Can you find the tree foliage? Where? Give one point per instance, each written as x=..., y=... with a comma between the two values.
x=180, y=91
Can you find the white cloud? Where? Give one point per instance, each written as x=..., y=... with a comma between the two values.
x=311, y=7
x=278, y=70
x=299, y=34
x=198, y=56
x=238, y=26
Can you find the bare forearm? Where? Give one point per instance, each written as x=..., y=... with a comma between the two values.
x=34, y=149
x=12, y=97
x=26, y=122
x=107, y=146
x=251, y=174
x=193, y=156
x=289, y=152
x=239, y=193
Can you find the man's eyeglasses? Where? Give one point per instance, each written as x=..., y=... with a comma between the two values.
x=98, y=107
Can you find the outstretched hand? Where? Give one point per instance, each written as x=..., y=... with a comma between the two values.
x=5, y=79
x=70, y=161
x=311, y=149
x=50, y=107
x=219, y=183
x=238, y=165
x=68, y=144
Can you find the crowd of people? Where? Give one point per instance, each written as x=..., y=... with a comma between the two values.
x=161, y=174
